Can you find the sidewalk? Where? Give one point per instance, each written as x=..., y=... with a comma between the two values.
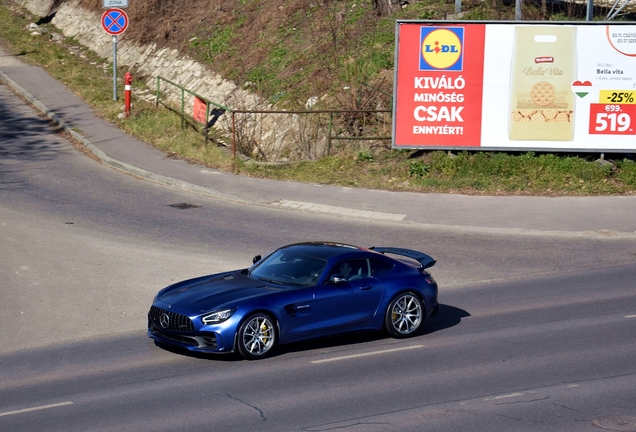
x=606, y=216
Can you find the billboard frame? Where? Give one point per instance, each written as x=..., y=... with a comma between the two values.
x=535, y=147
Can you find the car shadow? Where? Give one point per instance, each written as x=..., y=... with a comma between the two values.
x=447, y=316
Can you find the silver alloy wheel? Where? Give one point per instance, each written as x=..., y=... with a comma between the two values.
x=406, y=314
x=259, y=335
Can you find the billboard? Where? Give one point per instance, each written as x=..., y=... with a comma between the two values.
x=511, y=86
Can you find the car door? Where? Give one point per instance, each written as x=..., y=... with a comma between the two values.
x=347, y=303
x=295, y=312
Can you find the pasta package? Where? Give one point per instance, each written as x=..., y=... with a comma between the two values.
x=541, y=97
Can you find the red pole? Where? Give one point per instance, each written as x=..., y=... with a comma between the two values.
x=233, y=136
x=127, y=82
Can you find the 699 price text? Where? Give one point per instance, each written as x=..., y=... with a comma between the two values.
x=612, y=119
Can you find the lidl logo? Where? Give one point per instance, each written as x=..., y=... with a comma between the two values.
x=442, y=48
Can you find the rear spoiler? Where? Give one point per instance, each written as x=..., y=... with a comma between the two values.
x=425, y=260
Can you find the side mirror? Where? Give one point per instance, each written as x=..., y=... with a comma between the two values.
x=256, y=259
x=337, y=279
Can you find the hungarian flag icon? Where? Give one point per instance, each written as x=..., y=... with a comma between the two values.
x=581, y=88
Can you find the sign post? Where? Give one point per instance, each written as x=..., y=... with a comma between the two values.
x=114, y=22
x=115, y=68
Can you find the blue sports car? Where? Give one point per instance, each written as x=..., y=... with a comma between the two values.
x=297, y=292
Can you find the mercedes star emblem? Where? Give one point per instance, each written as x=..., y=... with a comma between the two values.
x=164, y=320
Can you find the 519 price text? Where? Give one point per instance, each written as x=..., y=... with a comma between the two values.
x=612, y=119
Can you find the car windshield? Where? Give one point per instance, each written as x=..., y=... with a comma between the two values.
x=284, y=267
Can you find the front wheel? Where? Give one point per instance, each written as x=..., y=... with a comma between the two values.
x=256, y=336
x=404, y=315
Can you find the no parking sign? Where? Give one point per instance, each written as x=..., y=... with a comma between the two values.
x=114, y=21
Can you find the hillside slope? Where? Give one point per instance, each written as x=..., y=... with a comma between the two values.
x=290, y=50
x=286, y=50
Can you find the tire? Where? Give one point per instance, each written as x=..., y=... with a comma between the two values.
x=257, y=336
x=404, y=316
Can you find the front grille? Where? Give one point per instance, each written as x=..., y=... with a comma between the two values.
x=175, y=321
x=206, y=340
x=184, y=340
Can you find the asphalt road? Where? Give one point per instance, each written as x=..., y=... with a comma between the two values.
x=510, y=356
x=535, y=333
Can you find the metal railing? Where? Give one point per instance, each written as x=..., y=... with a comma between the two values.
x=328, y=134
x=182, y=112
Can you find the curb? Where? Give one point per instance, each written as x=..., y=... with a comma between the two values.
x=110, y=161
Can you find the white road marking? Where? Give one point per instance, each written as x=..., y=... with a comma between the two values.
x=323, y=208
x=367, y=354
x=630, y=316
x=43, y=407
x=504, y=396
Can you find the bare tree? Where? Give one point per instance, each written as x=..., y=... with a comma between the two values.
x=386, y=7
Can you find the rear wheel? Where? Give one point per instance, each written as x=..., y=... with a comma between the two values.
x=404, y=315
x=256, y=336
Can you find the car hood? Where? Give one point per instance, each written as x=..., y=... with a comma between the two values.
x=210, y=292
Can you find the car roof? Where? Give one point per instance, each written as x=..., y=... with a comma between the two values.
x=323, y=250
x=332, y=251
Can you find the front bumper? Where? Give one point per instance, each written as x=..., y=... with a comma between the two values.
x=199, y=341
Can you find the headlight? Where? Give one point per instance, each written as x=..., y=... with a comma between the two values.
x=218, y=316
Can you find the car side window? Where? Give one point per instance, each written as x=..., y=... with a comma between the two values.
x=380, y=267
x=351, y=269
